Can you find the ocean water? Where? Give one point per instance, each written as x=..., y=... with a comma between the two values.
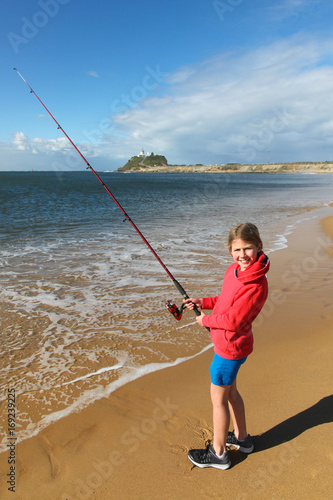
x=82, y=297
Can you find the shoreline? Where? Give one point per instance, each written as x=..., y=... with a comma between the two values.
x=234, y=168
x=131, y=373
x=114, y=447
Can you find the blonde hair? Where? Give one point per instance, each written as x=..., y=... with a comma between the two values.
x=247, y=232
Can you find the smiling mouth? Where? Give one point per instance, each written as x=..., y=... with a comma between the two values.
x=244, y=262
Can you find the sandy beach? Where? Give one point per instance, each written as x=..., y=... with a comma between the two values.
x=134, y=444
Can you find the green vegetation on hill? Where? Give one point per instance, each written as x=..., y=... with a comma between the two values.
x=139, y=162
x=158, y=163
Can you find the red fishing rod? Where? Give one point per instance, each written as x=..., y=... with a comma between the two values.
x=175, y=311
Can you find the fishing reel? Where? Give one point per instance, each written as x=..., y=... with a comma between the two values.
x=175, y=311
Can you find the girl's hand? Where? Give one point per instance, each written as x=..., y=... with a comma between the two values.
x=200, y=318
x=191, y=303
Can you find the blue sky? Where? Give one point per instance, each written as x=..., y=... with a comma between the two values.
x=198, y=81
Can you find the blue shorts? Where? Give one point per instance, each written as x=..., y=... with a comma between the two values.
x=224, y=371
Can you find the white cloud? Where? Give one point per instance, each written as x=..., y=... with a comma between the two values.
x=233, y=107
x=24, y=153
x=93, y=73
x=236, y=107
x=37, y=145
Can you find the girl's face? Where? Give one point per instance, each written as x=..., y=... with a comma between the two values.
x=244, y=253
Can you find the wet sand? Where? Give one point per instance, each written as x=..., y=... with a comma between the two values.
x=134, y=443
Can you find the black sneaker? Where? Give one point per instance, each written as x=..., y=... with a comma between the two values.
x=246, y=446
x=208, y=458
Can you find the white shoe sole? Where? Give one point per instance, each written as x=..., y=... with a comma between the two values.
x=215, y=466
x=240, y=448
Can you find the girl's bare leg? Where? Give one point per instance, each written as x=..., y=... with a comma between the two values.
x=221, y=416
x=237, y=411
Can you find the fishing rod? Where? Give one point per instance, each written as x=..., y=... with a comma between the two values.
x=174, y=310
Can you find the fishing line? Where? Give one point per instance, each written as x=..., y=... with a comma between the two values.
x=177, y=313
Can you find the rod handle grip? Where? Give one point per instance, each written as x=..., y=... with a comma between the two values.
x=184, y=294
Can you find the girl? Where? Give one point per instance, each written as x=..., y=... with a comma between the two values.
x=244, y=292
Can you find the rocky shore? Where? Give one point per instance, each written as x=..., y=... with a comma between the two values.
x=302, y=167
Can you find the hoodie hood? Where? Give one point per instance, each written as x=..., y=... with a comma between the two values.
x=258, y=269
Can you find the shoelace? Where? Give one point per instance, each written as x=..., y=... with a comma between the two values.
x=206, y=453
x=205, y=457
x=232, y=438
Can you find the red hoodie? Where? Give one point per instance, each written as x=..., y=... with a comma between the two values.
x=242, y=296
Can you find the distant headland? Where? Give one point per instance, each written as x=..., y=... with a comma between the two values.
x=150, y=162
x=144, y=161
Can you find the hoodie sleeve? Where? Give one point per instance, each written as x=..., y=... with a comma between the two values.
x=246, y=307
x=209, y=302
